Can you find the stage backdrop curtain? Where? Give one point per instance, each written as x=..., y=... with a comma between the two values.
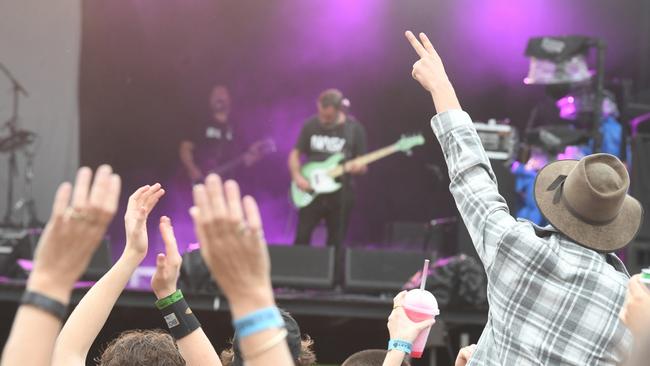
x=39, y=43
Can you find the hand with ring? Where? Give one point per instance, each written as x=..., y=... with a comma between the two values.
x=79, y=219
x=229, y=230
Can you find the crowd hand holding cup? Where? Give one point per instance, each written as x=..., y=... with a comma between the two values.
x=634, y=313
x=232, y=244
x=80, y=216
x=464, y=355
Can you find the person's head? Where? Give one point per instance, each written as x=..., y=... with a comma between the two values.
x=330, y=104
x=141, y=347
x=220, y=100
x=369, y=357
x=301, y=348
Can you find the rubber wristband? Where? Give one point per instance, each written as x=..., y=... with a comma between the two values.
x=169, y=300
x=45, y=303
x=180, y=319
x=400, y=345
x=258, y=321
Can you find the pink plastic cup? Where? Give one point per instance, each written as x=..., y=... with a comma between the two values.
x=420, y=305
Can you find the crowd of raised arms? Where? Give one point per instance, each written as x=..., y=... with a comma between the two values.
x=232, y=244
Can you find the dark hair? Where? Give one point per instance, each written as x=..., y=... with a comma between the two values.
x=141, y=347
x=369, y=357
x=300, y=348
x=331, y=98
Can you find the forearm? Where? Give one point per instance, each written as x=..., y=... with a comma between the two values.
x=88, y=318
x=444, y=97
x=394, y=358
x=294, y=163
x=473, y=183
x=197, y=350
x=32, y=337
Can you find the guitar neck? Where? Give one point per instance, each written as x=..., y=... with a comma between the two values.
x=366, y=159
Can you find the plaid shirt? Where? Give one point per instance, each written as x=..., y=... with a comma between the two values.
x=552, y=301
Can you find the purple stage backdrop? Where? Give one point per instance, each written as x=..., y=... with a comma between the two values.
x=147, y=67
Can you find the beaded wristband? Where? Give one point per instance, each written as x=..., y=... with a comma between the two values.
x=399, y=345
x=258, y=321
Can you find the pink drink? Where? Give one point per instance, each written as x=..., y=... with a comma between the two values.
x=420, y=305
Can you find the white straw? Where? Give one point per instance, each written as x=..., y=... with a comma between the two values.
x=425, y=274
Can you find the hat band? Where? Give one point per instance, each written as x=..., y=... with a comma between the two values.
x=558, y=185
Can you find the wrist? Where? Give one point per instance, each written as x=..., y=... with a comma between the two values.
x=49, y=286
x=132, y=256
x=164, y=292
x=246, y=303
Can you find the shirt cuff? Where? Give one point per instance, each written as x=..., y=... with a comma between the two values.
x=449, y=120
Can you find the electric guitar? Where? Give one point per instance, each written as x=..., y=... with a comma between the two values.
x=322, y=175
x=257, y=150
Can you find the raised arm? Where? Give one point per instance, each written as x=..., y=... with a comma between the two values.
x=195, y=347
x=233, y=246
x=70, y=238
x=473, y=183
x=88, y=318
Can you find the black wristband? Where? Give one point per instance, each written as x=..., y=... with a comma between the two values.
x=45, y=303
x=180, y=319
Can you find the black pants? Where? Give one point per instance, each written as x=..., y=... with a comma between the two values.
x=334, y=208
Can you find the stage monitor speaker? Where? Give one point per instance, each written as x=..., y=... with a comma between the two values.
x=640, y=180
x=302, y=266
x=291, y=266
x=380, y=270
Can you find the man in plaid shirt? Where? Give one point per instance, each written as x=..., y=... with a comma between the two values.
x=554, y=292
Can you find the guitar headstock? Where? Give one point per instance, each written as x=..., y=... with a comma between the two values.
x=406, y=143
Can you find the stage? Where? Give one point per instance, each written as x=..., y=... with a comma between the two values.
x=340, y=323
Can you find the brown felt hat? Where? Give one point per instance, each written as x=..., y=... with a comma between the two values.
x=587, y=201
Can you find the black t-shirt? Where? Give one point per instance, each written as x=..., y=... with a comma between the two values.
x=214, y=145
x=318, y=143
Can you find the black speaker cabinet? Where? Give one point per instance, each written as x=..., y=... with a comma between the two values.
x=291, y=266
x=302, y=266
x=380, y=270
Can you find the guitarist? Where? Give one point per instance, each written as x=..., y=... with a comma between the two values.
x=215, y=142
x=331, y=131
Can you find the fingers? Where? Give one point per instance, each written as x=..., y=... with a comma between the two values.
x=253, y=216
x=417, y=46
x=425, y=324
x=61, y=199
x=151, y=198
x=427, y=44
x=637, y=288
x=167, y=233
x=101, y=186
x=112, y=196
x=161, y=261
x=82, y=185
x=203, y=211
x=214, y=188
x=139, y=192
x=399, y=298
x=233, y=197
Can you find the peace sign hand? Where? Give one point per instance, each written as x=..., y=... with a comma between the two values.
x=428, y=70
x=430, y=73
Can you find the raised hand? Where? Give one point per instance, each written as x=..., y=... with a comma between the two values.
x=168, y=265
x=74, y=231
x=232, y=242
x=430, y=73
x=400, y=326
x=141, y=202
x=464, y=355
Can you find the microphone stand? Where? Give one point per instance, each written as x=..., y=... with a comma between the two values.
x=12, y=125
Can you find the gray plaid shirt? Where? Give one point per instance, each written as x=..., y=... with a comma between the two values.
x=552, y=302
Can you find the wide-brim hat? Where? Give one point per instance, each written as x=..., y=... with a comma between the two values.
x=587, y=201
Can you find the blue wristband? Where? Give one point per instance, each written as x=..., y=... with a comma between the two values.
x=258, y=321
x=399, y=345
